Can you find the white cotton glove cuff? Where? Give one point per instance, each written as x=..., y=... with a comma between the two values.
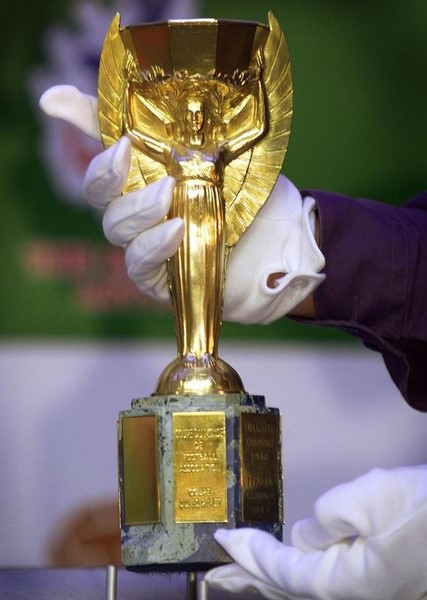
x=280, y=240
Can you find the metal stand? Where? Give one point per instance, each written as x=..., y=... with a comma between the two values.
x=195, y=590
x=191, y=586
x=111, y=583
x=202, y=590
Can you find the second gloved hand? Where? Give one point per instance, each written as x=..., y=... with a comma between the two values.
x=365, y=541
x=280, y=240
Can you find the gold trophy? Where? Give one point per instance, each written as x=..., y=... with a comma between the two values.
x=208, y=102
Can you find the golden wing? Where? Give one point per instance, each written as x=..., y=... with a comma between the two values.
x=116, y=56
x=249, y=179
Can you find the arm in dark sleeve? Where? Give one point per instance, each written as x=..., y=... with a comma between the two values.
x=376, y=282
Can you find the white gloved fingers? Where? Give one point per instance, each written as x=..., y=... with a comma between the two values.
x=155, y=284
x=69, y=104
x=259, y=552
x=146, y=255
x=372, y=504
x=107, y=174
x=279, y=566
x=128, y=216
x=152, y=247
x=267, y=560
x=235, y=579
x=392, y=569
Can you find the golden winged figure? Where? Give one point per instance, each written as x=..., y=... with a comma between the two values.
x=208, y=102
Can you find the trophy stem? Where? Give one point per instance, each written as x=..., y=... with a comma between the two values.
x=196, y=276
x=197, y=270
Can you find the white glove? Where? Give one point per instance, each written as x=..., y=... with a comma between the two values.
x=280, y=240
x=367, y=540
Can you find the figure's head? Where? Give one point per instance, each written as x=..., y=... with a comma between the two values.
x=197, y=109
x=194, y=114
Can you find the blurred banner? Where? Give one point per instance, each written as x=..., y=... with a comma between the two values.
x=359, y=124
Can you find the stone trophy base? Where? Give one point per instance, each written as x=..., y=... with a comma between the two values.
x=189, y=465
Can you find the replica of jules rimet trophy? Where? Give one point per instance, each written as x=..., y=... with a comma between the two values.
x=208, y=102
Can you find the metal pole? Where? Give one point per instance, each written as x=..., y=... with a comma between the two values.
x=202, y=590
x=111, y=583
x=192, y=585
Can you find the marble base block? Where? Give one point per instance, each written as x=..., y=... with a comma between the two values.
x=189, y=465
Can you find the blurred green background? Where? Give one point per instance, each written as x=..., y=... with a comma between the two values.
x=359, y=128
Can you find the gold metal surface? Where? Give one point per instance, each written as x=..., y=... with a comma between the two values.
x=200, y=467
x=141, y=502
x=208, y=102
x=260, y=467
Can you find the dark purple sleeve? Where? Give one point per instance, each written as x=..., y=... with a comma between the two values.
x=376, y=282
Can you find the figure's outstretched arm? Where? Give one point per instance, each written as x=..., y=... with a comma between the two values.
x=245, y=120
x=143, y=126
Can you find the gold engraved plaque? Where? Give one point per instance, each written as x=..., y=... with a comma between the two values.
x=260, y=466
x=140, y=502
x=200, y=467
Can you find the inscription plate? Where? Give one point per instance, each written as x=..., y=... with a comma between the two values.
x=200, y=467
x=140, y=503
x=260, y=466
